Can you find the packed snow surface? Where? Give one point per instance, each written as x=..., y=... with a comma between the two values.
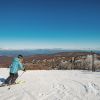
x=52, y=85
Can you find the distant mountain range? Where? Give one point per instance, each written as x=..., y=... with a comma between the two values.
x=37, y=51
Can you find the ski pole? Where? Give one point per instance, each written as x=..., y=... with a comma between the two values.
x=20, y=75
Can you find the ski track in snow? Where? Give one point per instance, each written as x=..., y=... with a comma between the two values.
x=53, y=85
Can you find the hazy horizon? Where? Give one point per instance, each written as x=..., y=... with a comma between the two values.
x=84, y=49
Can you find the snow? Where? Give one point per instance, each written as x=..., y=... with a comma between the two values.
x=53, y=85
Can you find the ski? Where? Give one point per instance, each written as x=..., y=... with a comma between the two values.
x=18, y=82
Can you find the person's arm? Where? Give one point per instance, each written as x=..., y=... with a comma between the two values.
x=21, y=66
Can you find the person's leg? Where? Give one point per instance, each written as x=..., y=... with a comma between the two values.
x=15, y=76
x=8, y=80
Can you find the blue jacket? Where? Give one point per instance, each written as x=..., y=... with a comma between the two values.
x=16, y=66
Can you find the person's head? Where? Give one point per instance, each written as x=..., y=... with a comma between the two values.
x=20, y=58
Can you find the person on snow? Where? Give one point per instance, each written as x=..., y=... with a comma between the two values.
x=14, y=68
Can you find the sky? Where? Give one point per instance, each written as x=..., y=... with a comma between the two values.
x=68, y=24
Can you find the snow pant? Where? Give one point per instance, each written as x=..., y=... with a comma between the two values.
x=11, y=79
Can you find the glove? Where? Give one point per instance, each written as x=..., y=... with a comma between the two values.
x=24, y=69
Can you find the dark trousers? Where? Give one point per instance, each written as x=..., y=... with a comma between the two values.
x=11, y=79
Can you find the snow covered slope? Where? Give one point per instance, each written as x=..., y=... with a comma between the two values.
x=53, y=85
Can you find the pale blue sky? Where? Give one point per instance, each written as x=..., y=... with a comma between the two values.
x=70, y=24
